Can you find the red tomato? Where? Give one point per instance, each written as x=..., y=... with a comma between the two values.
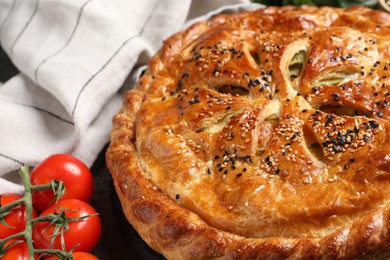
x=84, y=232
x=18, y=251
x=16, y=220
x=74, y=173
x=77, y=256
x=83, y=256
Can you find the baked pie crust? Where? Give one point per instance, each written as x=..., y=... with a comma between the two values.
x=261, y=134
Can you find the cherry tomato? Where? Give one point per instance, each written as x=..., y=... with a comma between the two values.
x=77, y=256
x=18, y=251
x=74, y=173
x=16, y=219
x=83, y=256
x=84, y=233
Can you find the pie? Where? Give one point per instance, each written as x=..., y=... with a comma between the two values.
x=261, y=134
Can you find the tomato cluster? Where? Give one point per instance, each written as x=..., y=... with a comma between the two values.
x=82, y=228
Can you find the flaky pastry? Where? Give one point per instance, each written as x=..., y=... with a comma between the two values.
x=261, y=134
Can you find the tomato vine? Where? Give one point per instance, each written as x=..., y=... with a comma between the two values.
x=57, y=219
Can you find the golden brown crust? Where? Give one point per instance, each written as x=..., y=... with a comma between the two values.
x=261, y=134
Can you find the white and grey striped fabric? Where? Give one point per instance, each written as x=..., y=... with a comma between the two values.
x=75, y=58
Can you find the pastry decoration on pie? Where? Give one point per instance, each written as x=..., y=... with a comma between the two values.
x=261, y=134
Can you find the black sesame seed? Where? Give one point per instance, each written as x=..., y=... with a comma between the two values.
x=373, y=124
x=253, y=83
x=184, y=75
x=335, y=97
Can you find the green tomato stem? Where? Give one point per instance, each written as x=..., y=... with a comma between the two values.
x=41, y=187
x=13, y=236
x=11, y=205
x=3, y=241
x=60, y=253
x=24, y=172
x=3, y=248
x=49, y=218
x=57, y=186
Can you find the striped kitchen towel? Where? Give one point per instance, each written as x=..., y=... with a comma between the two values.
x=76, y=58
